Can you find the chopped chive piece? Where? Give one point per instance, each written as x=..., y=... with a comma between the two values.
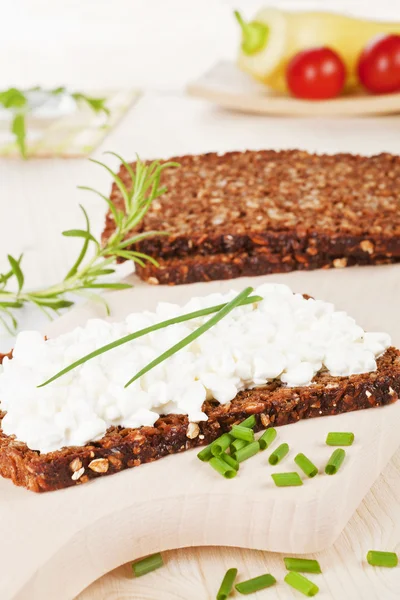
x=227, y=584
x=229, y=461
x=246, y=452
x=302, y=584
x=286, y=479
x=335, y=461
x=339, y=439
x=223, y=468
x=278, y=454
x=242, y=433
x=304, y=565
x=254, y=585
x=205, y=454
x=148, y=564
x=267, y=438
x=229, y=307
x=249, y=422
x=237, y=445
x=382, y=559
x=306, y=465
x=221, y=444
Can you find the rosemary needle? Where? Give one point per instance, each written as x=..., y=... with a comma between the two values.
x=137, y=334
x=194, y=335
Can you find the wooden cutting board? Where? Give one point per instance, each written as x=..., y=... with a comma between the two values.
x=76, y=535
x=225, y=85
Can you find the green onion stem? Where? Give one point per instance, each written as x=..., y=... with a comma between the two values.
x=254, y=585
x=242, y=433
x=249, y=422
x=246, y=452
x=278, y=454
x=340, y=438
x=382, y=559
x=286, y=479
x=205, y=454
x=237, y=445
x=221, y=444
x=227, y=584
x=223, y=468
x=230, y=461
x=267, y=438
x=148, y=564
x=195, y=334
x=304, y=565
x=335, y=461
x=137, y=334
x=306, y=465
x=302, y=584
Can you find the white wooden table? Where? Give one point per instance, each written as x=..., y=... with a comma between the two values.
x=39, y=199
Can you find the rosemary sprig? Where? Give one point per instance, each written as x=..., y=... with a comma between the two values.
x=85, y=277
x=137, y=334
x=17, y=102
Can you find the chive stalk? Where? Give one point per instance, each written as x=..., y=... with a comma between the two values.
x=278, y=454
x=267, y=438
x=237, y=445
x=221, y=444
x=227, y=584
x=205, y=454
x=286, y=479
x=148, y=564
x=339, y=438
x=237, y=301
x=335, y=461
x=382, y=559
x=254, y=585
x=306, y=465
x=222, y=468
x=137, y=334
x=302, y=584
x=246, y=452
x=249, y=422
x=229, y=461
x=242, y=433
x=304, y=565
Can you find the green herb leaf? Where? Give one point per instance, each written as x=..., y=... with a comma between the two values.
x=19, y=130
x=16, y=269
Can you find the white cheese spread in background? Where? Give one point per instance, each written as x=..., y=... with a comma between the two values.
x=283, y=337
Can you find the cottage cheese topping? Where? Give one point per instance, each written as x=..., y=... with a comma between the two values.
x=285, y=336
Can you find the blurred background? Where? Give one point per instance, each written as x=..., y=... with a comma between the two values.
x=157, y=44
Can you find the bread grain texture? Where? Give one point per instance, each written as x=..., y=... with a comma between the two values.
x=273, y=405
x=260, y=212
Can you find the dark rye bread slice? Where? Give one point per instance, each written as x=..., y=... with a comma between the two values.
x=259, y=212
x=273, y=404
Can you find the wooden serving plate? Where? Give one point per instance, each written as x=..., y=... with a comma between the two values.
x=227, y=86
x=55, y=544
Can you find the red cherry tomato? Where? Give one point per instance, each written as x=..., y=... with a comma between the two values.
x=316, y=74
x=379, y=65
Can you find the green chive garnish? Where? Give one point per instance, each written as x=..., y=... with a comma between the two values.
x=133, y=336
x=205, y=454
x=304, y=565
x=249, y=422
x=382, y=559
x=335, y=461
x=242, y=433
x=302, y=584
x=286, y=479
x=222, y=468
x=306, y=465
x=267, y=438
x=221, y=444
x=227, y=584
x=237, y=445
x=254, y=585
x=246, y=452
x=194, y=335
x=278, y=454
x=148, y=564
x=230, y=461
x=340, y=438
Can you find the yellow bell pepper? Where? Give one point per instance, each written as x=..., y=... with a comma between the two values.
x=275, y=36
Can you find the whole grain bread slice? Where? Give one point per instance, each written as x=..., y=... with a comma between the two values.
x=259, y=212
x=273, y=404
